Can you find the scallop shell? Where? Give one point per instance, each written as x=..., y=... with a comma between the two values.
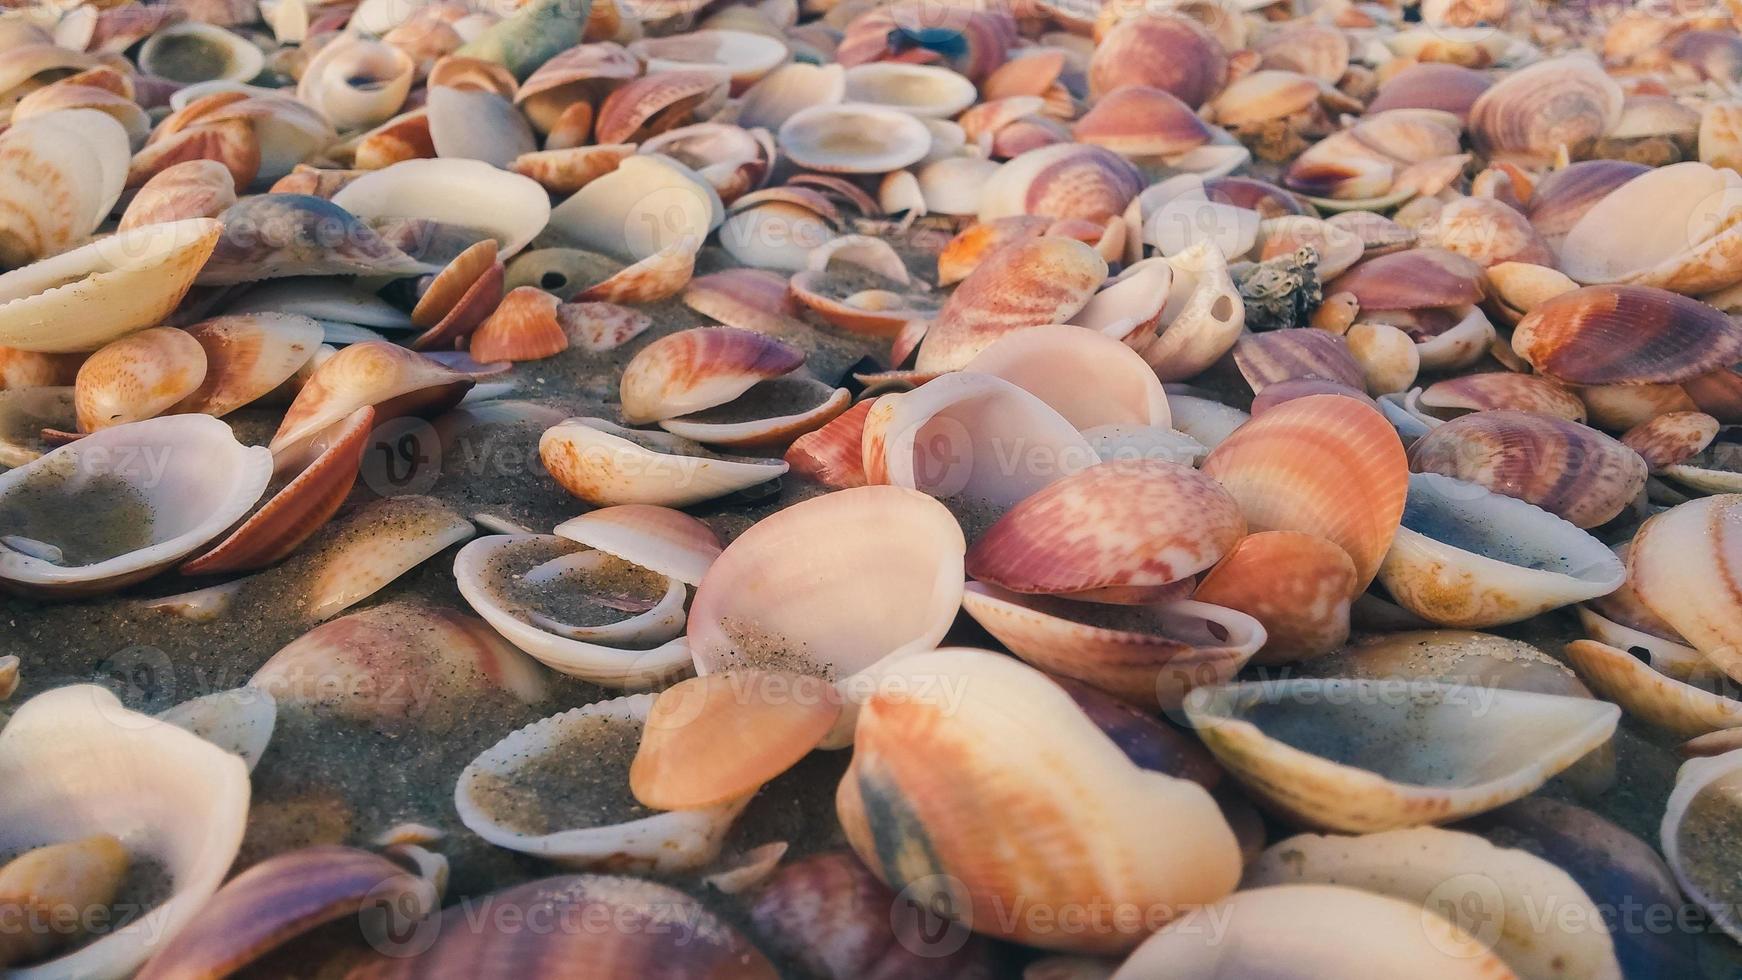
x=1340, y=768
x=605, y=464
x=887, y=803
x=833, y=455
x=1297, y=585
x=1629, y=335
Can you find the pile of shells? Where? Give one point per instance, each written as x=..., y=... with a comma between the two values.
x=870, y=489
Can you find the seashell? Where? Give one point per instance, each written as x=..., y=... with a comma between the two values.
x=365, y=550
x=1166, y=51
x=1335, y=444
x=197, y=52
x=1412, y=865
x=467, y=124
x=1053, y=363
x=247, y=357
x=267, y=236
x=460, y=297
x=89, y=90
x=1046, y=280
x=62, y=172
x=662, y=540
x=572, y=78
x=1265, y=359
x=394, y=381
x=1670, y=439
x=80, y=875
x=1203, y=318
x=1340, y=770
x=1677, y=568
x=699, y=369
x=922, y=90
x=652, y=104
x=1720, y=135
x=1173, y=523
x=646, y=205
x=191, y=189
x=1502, y=390
x=137, y=377
x=27, y=369
x=712, y=740
x=1415, y=279
x=1471, y=558
x=285, y=896
x=742, y=56
x=884, y=798
x=825, y=913
x=1140, y=121
x=467, y=193
x=1388, y=357
x=833, y=455
x=286, y=131
x=355, y=82
x=1311, y=49
x=789, y=89
x=474, y=74
x=1534, y=112
x=159, y=771
x=1564, y=196
x=833, y=138
x=605, y=464
x=172, y=512
x=231, y=142
x=1567, y=469
x=1298, y=586
x=1518, y=288
x=532, y=35
x=1320, y=930
x=1701, y=804
x=1685, y=707
x=404, y=137
x=314, y=181
x=566, y=171
x=950, y=437
x=310, y=486
x=1337, y=247
x=768, y=416
x=1602, y=335
x=1265, y=96
x=840, y=626
x=1684, y=241
x=973, y=42
x=1067, y=180
x=1487, y=232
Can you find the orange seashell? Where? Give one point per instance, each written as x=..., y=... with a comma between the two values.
x=1567, y=469
x=1299, y=586
x=474, y=74
x=1718, y=394
x=395, y=381
x=1670, y=439
x=460, y=297
x=1031, y=283
x=29, y=369
x=1119, y=531
x=659, y=276
x=564, y=171
x=1171, y=52
x=523, y=327
x=1502, y=390
x=970, y=247
x=1630, y=335
x=1033, y=74
x=1141, y=121
x=404, y=137
x=1419, y=278
x=1443, y=87
x=1270, y=358
x=320, y=477
x=834, y=454
x=709, y=740
x=573, y=127
x=653, y=104
x=230, y=142
x=248, y=357
x=137, y=377
x=1325, y=465
x=191, y=189
x=698, y=369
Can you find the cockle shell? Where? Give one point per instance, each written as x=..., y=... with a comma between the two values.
x=1298, y=586
x=1166, y=51
x=605, y=464
x=1046, y=280
x=1468, y=557
x=191, y=189
x=652, y=104
x=1316, y=929
x=833, y=455
x=1671, y=438
x=271, y=235
x=1532, y=113
x=1065, y=180
x=137, y=377
x=1679, y=563
x=1139, y=121
x=60, y=174
x=1335, y=445
x=460, y=297
x=1265, y=359
x=886, y=804
x=1486, y=232
x=574, y=78
x=1341, y=769
x=1502, y=390
x=1685, y=237
x=1629, y=335
x=1563, y=197
x=697, y=369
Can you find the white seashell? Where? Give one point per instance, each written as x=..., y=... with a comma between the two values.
x=647, y=204
x=605, y=464
x=1206, y=420
x=1203, y=318
x=1088, y=377
x=470, y=194
x=954, y=186
x=786, y=90
x=239, y=721
x=469, y=124
x=60, y=175
x=923, y=90
x=854, y=138
x=355, y=82
x=1179, y=214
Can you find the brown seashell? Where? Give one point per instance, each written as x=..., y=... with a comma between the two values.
x=404, y=137
x=1166, y=51
x=1502, y=390
x=1119, y=531
x=564, y=171
x=230, y=142
x=523, y=327
x=1630, y=335
x=834, y=454
x=710, y=740
x=248, y=357
x=318, y=479
x=395, y=381
x=1448, y=88
x=191, y=189
x=1562, y=197
x=466, y=291
x=1618, y=408
x=1486, y=232
x=137, y=377
x=283, y=897
x=1266, y=96
x=698, y=369
x=1718, y=394
x=1265, y=359
x=1325, y=465
x=1299, y=586
x=1671, y=438
x=1141, y=121
x=1041, y=281
x=1311, y=49
x=968, y=249
x=1416, y=279
x=314, y=181
x=1567, y=469
x=654, y=104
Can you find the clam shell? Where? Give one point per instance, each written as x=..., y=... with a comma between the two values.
x=1140, y=121
x=247, y=357
x=1679, y=563
x=1628, y=335
x=1567, y=469
x=766, y=417
x=1532, y=113
x=837, y=138
x=197, y=52
x=1684, y=237
x=1562, y=197
x=659, y=539
x=192, y=189
x=137, y=377
x=1297, y=585
x=460, y=297
x=60, y=174
x=1502, y=391
x=1065, y=180
x=1703, y=804
x=1319, y=930
x=77, y=763
x=1265, y=359
x=272, y=235
x=698, y=369
x=1412, y=280
x=1336, y=446
x=1046, y=280
x=651, y=104
x=570, y=80
x=394, y=381
x=1124, y=530
x=649, y=203
x=1468, y=557
x=1053, y=363
x=1487, y=232
x=176, y=508
x=467, y=124
x=980, y=760
x=1682, y=707
x=788, y=89
x=362, y=552
x=566, y=171
x=1339, y=768
x=468, y=193
x=1414, y=865
x=604, y=464
x=1166, y=51
x=833, y=455
x=923, y=90
x=1151, y=658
